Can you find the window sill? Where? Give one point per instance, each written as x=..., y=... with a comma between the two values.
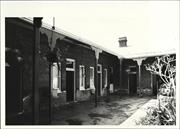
x=92, y=88
x=58, y=90
x=88, y=89
x=81, y=88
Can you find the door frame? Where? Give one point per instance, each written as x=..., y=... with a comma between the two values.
x=73, y=70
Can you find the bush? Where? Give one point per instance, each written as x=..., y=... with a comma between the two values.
x=152, y=117
x=163, y=115
x=165, y=112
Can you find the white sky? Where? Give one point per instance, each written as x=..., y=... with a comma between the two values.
x=149, y=25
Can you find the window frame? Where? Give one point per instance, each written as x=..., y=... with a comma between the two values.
x=92, y=86
x=82, y=77
x=105, y=78
x=59, y=81
x=73, y=61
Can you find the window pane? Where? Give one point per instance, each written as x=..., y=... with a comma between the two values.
x=91, y=77
x=69, y=64
x=82, y=77
x=105, y=77
x=56, y=77
x=133, y=69
x=98, y=68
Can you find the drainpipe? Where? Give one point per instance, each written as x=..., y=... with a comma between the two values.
x=37, y=24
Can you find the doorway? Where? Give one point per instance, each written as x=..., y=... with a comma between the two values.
x=70, y=80
x=132, y=84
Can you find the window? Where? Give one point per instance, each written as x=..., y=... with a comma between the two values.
x=99, y=68
x=81, y=77
x=56, y=77
x=111, y=70
x=70, y=64
x=111, y=75
x=92, y=78
x=105, y=77
x=132, y=68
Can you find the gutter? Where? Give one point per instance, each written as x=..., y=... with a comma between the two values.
x=65, y=33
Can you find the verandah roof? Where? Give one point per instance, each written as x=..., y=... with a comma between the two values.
x=124, y=52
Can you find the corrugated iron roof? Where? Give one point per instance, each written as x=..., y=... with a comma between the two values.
x=124, y=52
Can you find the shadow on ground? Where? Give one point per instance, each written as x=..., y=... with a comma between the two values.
x=110, y=111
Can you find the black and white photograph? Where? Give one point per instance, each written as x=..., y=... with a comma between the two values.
x=91, y=64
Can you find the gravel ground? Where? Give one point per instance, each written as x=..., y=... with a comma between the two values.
x=110, y=111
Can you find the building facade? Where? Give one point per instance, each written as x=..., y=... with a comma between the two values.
x=71, y=79
x=69, y=69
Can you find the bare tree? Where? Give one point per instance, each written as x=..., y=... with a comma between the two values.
x=165, y=68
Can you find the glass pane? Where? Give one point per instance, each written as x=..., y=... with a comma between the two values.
x=99, y=69
x=133, y=69
x=69, y=64
x=91, y=77
x=80, y=76
x=55, y=76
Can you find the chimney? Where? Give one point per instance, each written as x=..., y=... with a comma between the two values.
x=123, y=42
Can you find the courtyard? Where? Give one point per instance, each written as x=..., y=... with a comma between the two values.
x=112, y=110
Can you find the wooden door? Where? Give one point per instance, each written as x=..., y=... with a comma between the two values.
x=70, y=85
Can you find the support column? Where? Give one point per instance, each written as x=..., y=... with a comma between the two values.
x=97, y=51
x=139, y=75
x=139, y=62
x=37, y=24
x=120, y=72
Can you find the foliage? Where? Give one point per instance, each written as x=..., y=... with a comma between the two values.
x=165, y=68
x=163, y=115
x=152, y=117
x=165, y=112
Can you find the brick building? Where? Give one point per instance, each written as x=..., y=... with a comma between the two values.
x=78, y=67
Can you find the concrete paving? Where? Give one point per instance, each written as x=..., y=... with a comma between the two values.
x=110, y=111
x=139, y=114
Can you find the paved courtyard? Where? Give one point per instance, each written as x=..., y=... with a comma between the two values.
x=110, y=111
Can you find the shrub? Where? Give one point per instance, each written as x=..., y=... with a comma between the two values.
x=165, y=112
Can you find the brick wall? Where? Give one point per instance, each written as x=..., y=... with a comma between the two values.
x=20, y=34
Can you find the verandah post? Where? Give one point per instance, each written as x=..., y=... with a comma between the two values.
x=139, y=62
x=96, y=82
x=36, y=24
x=97, y=51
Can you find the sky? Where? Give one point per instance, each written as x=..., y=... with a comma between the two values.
x=148, y=25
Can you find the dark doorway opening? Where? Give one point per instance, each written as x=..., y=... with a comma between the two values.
x=70, y=85
x=99, y=84
x=132, y=84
